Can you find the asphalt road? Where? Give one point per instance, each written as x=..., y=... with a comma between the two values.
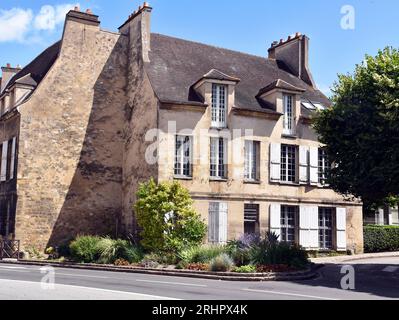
x=374, y=279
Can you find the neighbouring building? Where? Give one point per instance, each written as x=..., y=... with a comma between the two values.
x=99, y=112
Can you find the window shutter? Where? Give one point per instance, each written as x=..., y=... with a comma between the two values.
x=314, y=165
x=275, y=219
x=223, y=214
x=213, y=223
x=309, y=227
x=341, y=229
x=12, y=164
x=3, y=175
x=275, y=162
x=303, y=165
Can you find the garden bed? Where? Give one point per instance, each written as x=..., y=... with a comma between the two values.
x=307, y=273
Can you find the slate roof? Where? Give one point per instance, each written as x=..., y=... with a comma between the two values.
x=176, y=64
x=38, y=68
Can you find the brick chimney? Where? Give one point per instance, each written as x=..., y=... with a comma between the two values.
x=294, y=52
x=138, y=28
x=7, y=73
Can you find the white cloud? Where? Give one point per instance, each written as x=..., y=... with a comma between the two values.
x=21, y=25
x=14, y=24
x=50, y=17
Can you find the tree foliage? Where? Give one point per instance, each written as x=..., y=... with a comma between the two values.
x=361, y=130
x=168, y=220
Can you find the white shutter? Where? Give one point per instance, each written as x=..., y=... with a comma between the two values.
x=213, y=222
x=341, y=229
x=223, y=213
x=303, y=165
x=275, y=219
x=275, y=162
x=314, y=165
x=309, y=227
x=3, y=175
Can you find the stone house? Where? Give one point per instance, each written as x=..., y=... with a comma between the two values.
x=99, y=112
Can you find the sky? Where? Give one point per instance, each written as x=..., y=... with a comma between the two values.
x=341, y=32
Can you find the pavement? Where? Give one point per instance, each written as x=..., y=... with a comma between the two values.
x=374, y=279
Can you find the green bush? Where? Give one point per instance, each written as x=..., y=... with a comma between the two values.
x=278, y=253
x=111, y=250
x=84, y=249
x=221, y=263
x=245, y=269
x=168, y=220
x=92, y=249
x=201, y=254
x=381, y=238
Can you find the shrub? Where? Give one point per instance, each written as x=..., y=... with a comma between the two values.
x=381, y=238
x=221, y=263
x=111, y=250
x=84, y=249
x=245, y=269
x=202, y=254
x=269, y=253
x=168, y=220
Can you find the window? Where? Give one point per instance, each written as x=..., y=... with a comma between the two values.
x=288, y=101
x=218, y=158
x=183, y=156
x=217, y=222
x=288, y=163
x=288, y=224
x=252, y=160
x=325, y=228
x=251, y=219
x=219, y=105
x=323, y=166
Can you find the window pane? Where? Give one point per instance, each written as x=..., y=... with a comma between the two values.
x=325, y=228
x=183, y=156
x=288, y=163
x=288, y=214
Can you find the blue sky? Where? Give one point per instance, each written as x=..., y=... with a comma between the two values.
x=28, y=27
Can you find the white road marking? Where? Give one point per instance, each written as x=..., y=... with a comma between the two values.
x=146, y=296
x=176, y=283
x=391, y=269
x=7, y=267
x=290, y=294
x=79, y=275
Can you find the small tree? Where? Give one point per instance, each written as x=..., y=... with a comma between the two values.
x=166, y=215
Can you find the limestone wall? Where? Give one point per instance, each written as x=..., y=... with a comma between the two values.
x=71, y=141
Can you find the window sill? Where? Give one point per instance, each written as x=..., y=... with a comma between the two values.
x=289, y=135
x=252, y=182
x=289, y=184
x=182, y=178
x=214, y=179
x=218, y=128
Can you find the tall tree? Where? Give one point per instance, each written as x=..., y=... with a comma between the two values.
x=361, y=130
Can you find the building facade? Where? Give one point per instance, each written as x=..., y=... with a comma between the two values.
x=100, y=112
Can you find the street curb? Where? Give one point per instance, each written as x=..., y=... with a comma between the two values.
x=365, y=256
x=225, y=276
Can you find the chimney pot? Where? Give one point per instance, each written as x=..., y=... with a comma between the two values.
x=8, y=65
x=76, y=8
x=88, y=11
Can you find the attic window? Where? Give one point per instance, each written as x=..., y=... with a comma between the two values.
x=313, y=105
x=308, y=105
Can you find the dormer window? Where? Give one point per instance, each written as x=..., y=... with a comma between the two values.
x=289, y=115
x=219, y=105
